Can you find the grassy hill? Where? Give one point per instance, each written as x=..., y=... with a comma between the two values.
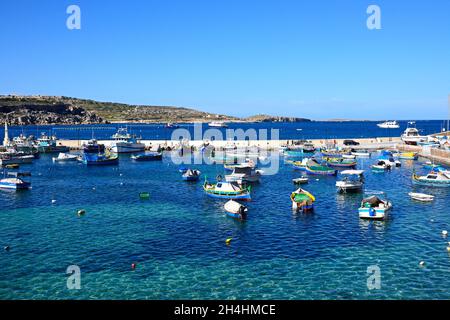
x=25, y=110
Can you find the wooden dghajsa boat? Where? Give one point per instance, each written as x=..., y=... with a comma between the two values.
x=341, y=163
x=302, y=200
x=434, y=179
x=300, y=165
x=313, y=167
x=227, y=190
x=236, y=210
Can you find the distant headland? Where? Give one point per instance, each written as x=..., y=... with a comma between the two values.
x=42, y=110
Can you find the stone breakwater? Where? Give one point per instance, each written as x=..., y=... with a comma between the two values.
x=366, y=143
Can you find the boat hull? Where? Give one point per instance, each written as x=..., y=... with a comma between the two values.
x=239, y=216
x=123, y=147
x=243, y=196
x=373, y=213
x=101, y=162
x=321, y=172
x=190, y=178
x=147, y=158
x=15, y=186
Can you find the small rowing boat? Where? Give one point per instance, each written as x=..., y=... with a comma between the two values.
x=421, y=196
x=65, y=157
x=301, y=180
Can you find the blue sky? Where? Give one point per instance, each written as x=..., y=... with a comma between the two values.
x=314, y=59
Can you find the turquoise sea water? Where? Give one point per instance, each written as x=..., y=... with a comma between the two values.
x=286, y=130
x=177, y=237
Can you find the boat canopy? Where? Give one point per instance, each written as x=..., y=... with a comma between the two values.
x=227, y=186
x=373, y=201
x=351, y=172
x=247, y=170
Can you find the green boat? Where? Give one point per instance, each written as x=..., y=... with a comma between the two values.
x=313, y=167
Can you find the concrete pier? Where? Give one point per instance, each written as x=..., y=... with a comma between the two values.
x=366, y=143
x=438, y=156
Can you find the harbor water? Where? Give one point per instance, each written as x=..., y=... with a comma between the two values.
x=286, y=131
x=176, y=238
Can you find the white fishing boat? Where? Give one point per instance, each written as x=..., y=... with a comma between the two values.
x=421, y=196
x=374, y=208
x=361, y=153
x=389, y=125
x=126, y=143
x=236, y=210
x=382, y=165
x=411, y=135
x=244, y=173
x=348, y=156
x=353, y=181
x=65, y=157
x=218, y=124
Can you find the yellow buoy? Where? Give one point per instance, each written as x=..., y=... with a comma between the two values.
x=228, y=241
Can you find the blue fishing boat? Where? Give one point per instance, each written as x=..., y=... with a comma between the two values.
x=15, y=181
x=191, y=175
x=47, y=144
x=92, y=146
x=148, y=156
x=227, y=190
x=100, y=159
